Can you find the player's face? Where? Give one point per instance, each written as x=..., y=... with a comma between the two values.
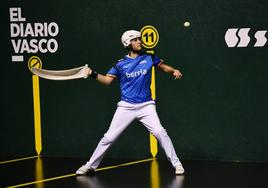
x=136, y=44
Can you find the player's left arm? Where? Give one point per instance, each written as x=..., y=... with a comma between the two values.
x=169, y=69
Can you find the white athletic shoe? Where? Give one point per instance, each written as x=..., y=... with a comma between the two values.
x=83, y=170
x=179, y=170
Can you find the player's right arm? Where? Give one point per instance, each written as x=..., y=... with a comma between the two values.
x=104, y=79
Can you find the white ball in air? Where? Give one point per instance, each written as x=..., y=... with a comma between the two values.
x=186, y=24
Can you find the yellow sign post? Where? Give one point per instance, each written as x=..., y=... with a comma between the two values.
x=35, y=62
x=150, y=38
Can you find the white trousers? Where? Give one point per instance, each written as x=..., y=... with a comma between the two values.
x=124, y=115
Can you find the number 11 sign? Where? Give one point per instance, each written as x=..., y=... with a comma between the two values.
x=149, y=36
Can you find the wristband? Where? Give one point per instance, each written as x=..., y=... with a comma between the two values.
x=94, y=74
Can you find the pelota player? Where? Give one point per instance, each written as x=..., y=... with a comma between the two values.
x=134, y=75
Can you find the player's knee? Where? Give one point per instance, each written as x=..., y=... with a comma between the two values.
x=107, y=139
x=159, y=132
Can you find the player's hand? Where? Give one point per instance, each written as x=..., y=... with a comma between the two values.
x=88, y=71
x=177, y=74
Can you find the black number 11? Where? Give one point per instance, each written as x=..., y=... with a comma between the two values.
x=146, y=35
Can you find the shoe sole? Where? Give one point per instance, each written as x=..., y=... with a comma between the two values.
x=179, y=173
x=86, y=173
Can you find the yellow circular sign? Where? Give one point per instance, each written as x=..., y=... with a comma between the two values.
x=34, y=62
x=149, y=36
